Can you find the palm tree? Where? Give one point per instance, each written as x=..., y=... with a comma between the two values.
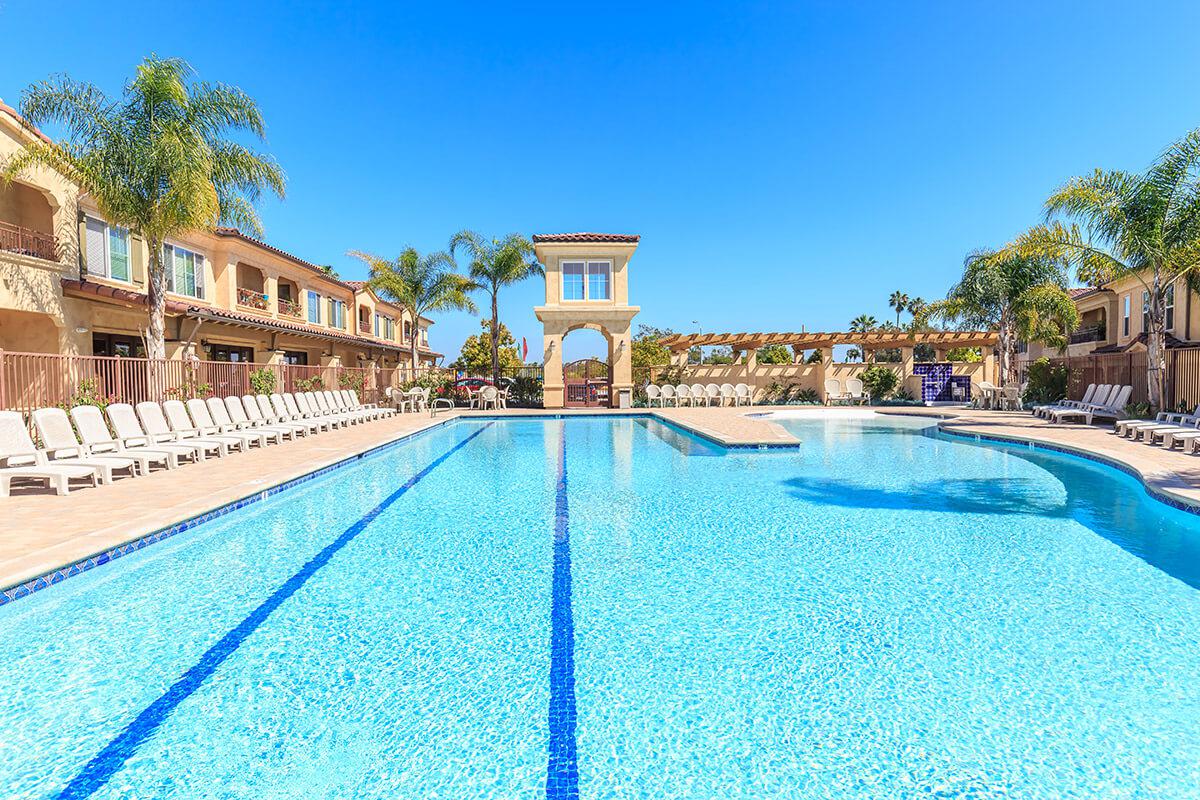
x=899, y=301
x=155, y=161
x=1022, y=297
x=863, y=323
x=496, y=263
x=420, y=284
x=1142, y=226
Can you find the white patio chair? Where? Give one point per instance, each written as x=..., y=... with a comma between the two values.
x=728, y=392
x=653, y=393
x=15, y=443
x=668, y=395
x=489, y=396
x=125, y=424
x=683, y=394
x=855, y=392
x=743, y=394
x=89, y=422
x=712, y=394
x=833, y=391
x=699, y=394
x=61, y=446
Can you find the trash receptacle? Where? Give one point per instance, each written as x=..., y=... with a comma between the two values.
x=625, y=398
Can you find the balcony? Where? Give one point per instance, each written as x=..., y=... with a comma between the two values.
x=1089, y=333
x=27, y=242
x=289, y=308
x=364, y=327
x=252, y=298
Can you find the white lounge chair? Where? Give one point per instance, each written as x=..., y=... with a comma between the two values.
x=340, y=401
x=245, y=409
x=743, y=394
x=352, y=401
x=16, y=444
x=219, y=412
x=203, y=420
x=1113, y=409
x=269, y=413
x=335, y=405
x=653, y=393
x=181, y=426
x=1094, y=394
x=298, y=406
x=125, y=424
x=308, y=404
x=60, y=445
x=855, y=392
x=1164, y=420
x=89, y=422
x=833, y=391
x=316, y=400
x=669, y=396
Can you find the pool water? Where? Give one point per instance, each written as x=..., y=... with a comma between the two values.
x=612, y=608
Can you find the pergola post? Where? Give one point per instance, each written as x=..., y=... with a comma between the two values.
x=751, y=361
x=679, y=358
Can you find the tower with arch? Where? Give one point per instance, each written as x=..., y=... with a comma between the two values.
x=587, y=286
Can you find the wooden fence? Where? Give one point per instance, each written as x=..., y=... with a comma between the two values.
x=1129, y=369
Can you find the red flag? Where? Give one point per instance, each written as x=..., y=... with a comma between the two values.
x=524, y=349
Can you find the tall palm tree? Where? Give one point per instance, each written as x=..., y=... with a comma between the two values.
x=420, y=284
x=1021, y=297
x=899, y=301
x=1142, y=226
x=915, y=306
x=155, y=160
x=496, y=263
x=863, y=323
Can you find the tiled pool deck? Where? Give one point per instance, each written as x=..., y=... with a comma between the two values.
x=41, y=532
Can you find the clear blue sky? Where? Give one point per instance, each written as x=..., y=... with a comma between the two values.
x=787, y=165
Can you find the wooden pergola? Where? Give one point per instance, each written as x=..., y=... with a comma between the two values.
x=874, y=340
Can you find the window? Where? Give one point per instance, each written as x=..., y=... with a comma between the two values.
x=314, y=308
x=227, y=352
x=1145, y=311
x=185, y=271
x=384, y=327
x=337, y=313
x=107, y=250
x=114, y=344
x=598, y=280
x=1125, y=316
x=1169, y=303
x=425, y=336
x=298, y=357
x=572, y=280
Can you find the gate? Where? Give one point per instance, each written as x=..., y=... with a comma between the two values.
x=588, y=383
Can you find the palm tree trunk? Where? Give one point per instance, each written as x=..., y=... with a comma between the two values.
x=495, y=339
x=156, y=291
x=1156, y=347
x=414, y=362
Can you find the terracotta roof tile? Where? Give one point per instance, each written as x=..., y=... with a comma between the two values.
x=540, y=238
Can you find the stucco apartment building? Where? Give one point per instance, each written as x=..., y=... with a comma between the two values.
x=71, y=283
x=1113, y=320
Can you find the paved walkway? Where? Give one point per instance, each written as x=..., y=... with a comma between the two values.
x=41, y=532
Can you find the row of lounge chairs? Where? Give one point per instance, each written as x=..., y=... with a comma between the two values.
x=1170, y=429
x=81, y=445
x=853, y=394
x=699, y=394
x=1106, y=401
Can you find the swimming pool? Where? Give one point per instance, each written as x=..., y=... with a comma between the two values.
x=609, y=607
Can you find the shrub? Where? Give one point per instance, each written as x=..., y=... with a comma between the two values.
x=808, y=397
x=87, y=393
x=1139, y=410
x=1047, y=382
x=351, y=380
x=313, y=384
x=879, y=381
x=262, y=380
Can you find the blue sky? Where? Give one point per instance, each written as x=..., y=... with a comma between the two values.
x=787, y=165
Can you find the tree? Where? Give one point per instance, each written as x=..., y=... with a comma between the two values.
x=476, y=354
x=155, y=161
x=1020, y=297
x=863, y=323
x=719, y=355
x=898, y=301
x=647, y=350
x=496, y=263
x=774, y=354
x=1142, y=226
x=420, y=284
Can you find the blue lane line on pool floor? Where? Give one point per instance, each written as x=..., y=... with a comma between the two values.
x=108, y=761
x=562, y=769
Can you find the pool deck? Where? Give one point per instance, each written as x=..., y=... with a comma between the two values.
x=42, y=532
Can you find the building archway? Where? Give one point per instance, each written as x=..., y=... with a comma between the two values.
x=587, y=287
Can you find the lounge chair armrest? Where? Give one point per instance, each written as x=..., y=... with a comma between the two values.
x=39, y=458
x=135, y=441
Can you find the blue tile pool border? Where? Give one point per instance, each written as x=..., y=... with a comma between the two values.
x=46, y=580
x=1155, y=494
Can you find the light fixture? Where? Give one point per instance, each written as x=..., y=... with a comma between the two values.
x=80, y=329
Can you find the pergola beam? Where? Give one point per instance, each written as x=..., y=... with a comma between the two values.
x=678, y=342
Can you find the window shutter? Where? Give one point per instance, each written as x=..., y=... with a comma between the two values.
x=96, y=231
